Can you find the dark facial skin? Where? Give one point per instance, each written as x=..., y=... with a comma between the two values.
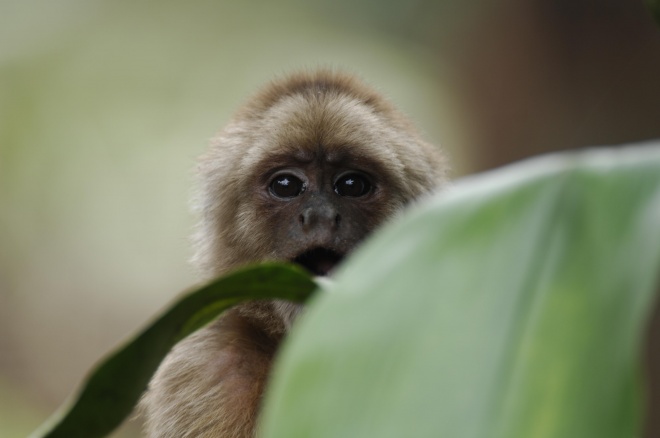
x=320, y=208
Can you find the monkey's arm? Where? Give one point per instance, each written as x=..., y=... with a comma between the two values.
x=210, y=385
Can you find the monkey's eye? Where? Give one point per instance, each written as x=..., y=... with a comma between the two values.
x=352, y=185
x=287, y=186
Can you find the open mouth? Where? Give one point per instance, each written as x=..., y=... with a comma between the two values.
x=319, y=261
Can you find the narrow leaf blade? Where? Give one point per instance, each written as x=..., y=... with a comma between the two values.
x=113, y=388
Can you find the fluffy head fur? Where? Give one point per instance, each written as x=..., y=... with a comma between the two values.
x=301, y=113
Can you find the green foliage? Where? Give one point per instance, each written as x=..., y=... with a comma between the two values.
x=654, y=5
x=511, y=305
x=114, y=387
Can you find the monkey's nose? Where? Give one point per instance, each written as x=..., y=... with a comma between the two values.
x=319, y=218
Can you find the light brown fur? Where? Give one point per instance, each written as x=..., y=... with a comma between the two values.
x=210, y=385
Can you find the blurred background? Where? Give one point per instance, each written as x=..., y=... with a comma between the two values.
x=105, y=105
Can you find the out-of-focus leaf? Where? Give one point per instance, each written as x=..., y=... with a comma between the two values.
x=654, y=5
x=511, y=306
x=114, y=387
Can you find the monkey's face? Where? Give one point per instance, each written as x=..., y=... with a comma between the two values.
x=318, y=208
x=324, y=179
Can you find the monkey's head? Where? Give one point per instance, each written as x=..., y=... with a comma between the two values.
x=307, y=169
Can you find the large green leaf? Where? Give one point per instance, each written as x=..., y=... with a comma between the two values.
x=511, y=306
x=114, y=387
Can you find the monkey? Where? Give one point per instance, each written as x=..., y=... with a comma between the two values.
x=303, y=172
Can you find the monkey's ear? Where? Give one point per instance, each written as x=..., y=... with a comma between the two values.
x=511, y=305
x=114, y=387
